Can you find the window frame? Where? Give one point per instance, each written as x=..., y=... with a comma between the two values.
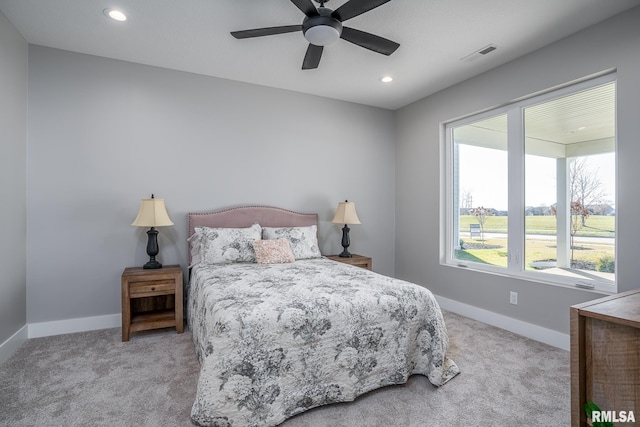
x=516, y=191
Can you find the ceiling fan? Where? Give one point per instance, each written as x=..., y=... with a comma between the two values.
x=323, y=26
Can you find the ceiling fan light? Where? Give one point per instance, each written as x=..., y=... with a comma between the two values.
x=321, y=30
x=322, y=35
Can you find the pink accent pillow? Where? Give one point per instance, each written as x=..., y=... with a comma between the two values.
x=276, y=251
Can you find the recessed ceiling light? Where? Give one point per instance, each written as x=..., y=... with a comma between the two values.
x=386, y=79
x=115, y=14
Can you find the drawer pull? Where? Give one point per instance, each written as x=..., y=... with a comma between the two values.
x=153, y=288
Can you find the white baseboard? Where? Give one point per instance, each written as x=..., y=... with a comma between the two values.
x=9, y=347
x=529, y=330
x=58, y=327
x=69, y=326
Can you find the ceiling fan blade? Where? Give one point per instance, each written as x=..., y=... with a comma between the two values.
x=312, y=57
x=369, y=41
x=353, y=8
x=306, y=7
x=269, y=31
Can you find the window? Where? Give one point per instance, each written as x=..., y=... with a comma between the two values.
x=531, y=188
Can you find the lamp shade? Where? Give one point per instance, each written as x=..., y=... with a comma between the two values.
x=152, y=214
x=346, y=214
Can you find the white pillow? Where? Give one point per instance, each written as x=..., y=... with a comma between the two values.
x=227, y=245
x=303, y=240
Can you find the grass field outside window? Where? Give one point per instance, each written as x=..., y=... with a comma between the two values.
x=493, y=251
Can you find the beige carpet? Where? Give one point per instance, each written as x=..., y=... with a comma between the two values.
x=93, y=379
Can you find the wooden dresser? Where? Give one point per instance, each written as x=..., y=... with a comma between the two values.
x=605, y=356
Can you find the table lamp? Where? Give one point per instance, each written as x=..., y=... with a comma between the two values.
x=346, y=214
x=152, y=214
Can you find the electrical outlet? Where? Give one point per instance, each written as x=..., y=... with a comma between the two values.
x=513, y=298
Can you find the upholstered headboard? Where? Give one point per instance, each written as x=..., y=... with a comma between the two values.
x=246, y=216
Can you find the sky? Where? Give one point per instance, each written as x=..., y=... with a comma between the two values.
x=483, y=173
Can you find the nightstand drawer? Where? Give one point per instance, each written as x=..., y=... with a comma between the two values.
x=157, y=287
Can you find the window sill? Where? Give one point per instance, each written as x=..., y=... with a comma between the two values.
x=532, y=276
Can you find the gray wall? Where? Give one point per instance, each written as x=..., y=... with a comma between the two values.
x=612, y=44
x=13, y=169
x=105, y=133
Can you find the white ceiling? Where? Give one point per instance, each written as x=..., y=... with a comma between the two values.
x=193, y=36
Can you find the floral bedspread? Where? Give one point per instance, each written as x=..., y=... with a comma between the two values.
x=276, y=340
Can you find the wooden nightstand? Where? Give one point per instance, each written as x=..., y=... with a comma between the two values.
x=357, y=260
x=151, y=299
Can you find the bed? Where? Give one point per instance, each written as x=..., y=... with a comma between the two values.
x=278, y=338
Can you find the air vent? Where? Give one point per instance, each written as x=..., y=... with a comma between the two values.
x=479, y=53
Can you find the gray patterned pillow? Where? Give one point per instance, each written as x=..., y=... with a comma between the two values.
x=228, y=245
x=303, y=240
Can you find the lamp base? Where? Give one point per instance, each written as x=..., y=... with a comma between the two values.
x=345, y=242
x=152, y=264
x=152, y=249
